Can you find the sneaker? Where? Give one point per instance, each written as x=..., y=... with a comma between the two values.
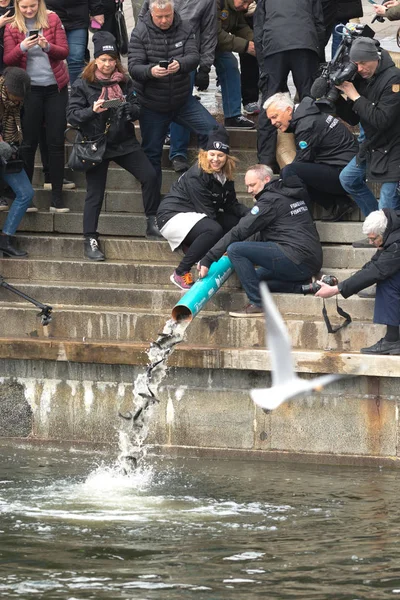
x=240, y=121
x=252, y=108
x=32, y=208
x=251, y=310
x=67, y=185
x=184, y=281
x=180, y=164
x=364, y=243
x=340, y=210
x=61, y=209
x=382, y=347
x=3, y=204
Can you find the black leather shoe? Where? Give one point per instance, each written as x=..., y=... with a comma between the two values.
x=92, y=249
x=180, y=164
x=382, y=347
x=152, y=230
x=340, y=210
x=8, y=249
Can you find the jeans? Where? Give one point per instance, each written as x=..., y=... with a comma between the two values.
x=22, y=187
x=274, y=267
x=228, y=75
x=180, y=136
x=352, y=179
x=77, y=42
x=154, y=126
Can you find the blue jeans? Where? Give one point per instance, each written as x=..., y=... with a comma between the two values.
x=23, y=190
x=180, y=136
x=274, y=267
x=352, y=179
x=228, y=74
x=154, y=126
x=77, y=42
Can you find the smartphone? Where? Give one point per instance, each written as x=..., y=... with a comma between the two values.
x=114, y=103
x=8, y=12
x=34, y=33
x=164, y=64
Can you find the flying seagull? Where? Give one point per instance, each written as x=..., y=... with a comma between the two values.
x=285, y=382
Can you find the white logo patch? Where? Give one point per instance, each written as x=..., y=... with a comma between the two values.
x=255, y=210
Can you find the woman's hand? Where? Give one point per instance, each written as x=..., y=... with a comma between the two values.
x=30, y=42
x=98, y=106
x=380, y=9
x=203, y=271
x=4, y=19
x=42, y=42
x=326, y=291
x=391, y=3
x=99, y=19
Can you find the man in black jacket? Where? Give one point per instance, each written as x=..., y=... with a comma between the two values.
x=281, y=239
x=383, y=230
x=162, y=53
x=324, y=145
x=374, y=102
x=288, y=36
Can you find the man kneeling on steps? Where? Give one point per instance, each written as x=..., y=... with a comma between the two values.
x=383, y=230
x=281, y=239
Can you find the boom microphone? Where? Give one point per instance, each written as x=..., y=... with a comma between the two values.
x=319, y=88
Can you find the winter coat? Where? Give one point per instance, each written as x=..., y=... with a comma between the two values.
x=378, y=111
x=280, y=215
x=281, y=26
x=393, y=13
x=384, y=263
x=2, y=13
x=234, y=33
x=74, y=14
x=198, y=191
x=150, y=44
x=58, y=50
x=348, y=9
x=321, y=138
x=202, y=18
x=121, y=137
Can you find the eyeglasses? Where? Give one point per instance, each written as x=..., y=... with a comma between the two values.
x=373, y=239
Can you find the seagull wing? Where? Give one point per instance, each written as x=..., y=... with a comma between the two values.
x=277, y=340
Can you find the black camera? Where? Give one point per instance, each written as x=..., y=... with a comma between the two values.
x=340, y=68
x=312, y=288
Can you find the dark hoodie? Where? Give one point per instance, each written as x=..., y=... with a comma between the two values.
x=280, y=215
x=384, y=263
x=321, y=138
x=3, y=11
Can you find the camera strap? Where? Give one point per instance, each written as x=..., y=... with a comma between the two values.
x=340, y=312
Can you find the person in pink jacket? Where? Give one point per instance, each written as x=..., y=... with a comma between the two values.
x=36, y=41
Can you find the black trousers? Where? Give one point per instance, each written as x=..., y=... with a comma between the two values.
x=46, y=105
x=249, y=76
x=273, y=78
x=387, y=301
x=202, y=237
x=322, y=182
x=135, y=163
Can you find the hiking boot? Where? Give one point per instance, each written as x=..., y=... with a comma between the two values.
x=239, y=121
x=180, y=164
x=252, y=108
x=250, y=310
x=67, y=185
x=3, y=204
x=152, y=231
x=382, y=347
x=92, y=249
x=340, y=210
x=184, y=282
x=8, y=249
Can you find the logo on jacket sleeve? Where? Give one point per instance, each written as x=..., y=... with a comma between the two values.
x=303, y=145
x=224, y=15
x=255, y=210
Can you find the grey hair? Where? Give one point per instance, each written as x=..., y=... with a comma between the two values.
x=262, y=171
x=280, y=100
x=160, y=4
x=376, y=223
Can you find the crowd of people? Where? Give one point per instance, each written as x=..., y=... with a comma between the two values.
x=48, y=80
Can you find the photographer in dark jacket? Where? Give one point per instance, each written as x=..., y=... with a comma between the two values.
x=104, y=78
x=374, y=102
x=281, y=239
x=324, y=145
x=383, y=230
x=162, y=53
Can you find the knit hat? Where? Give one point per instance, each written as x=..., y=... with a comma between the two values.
x=104, y=43
x=17, y=81
x=364, y=49
x=218, y=139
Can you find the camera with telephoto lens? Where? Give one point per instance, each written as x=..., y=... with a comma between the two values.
x=340, y=68
x=312, y=288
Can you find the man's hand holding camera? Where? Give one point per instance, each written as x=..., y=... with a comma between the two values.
x=348, y=88
x=326, y=290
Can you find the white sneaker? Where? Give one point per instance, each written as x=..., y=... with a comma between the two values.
x=67, y=185
x=252, y=108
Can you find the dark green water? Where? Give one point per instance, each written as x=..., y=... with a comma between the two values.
x=73, y=529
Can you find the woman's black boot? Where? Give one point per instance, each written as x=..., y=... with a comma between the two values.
x=8, y=249
x=92, y=249
x=152, y=230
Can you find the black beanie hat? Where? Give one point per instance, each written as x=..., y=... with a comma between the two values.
x=104, y=43
x=17, y=81
x=364, y=49
x=218, y=139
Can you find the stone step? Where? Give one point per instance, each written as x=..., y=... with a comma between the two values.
x=211, y=328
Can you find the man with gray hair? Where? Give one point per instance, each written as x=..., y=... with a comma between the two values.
x=281, y=239
x=382, y=228
x=324, y=146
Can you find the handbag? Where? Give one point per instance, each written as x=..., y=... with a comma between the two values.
x=121, y=31
x=87, y=153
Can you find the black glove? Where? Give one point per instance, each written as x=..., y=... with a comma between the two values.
x=202, y=79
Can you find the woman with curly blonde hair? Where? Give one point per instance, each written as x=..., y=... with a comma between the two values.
x=201, y=206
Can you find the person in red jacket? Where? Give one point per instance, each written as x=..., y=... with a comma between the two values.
x=36, y=41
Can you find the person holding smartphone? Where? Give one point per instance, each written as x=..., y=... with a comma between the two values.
x=36, y=41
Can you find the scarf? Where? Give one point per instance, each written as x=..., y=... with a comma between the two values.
x=11, y=120
x=111, y=88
